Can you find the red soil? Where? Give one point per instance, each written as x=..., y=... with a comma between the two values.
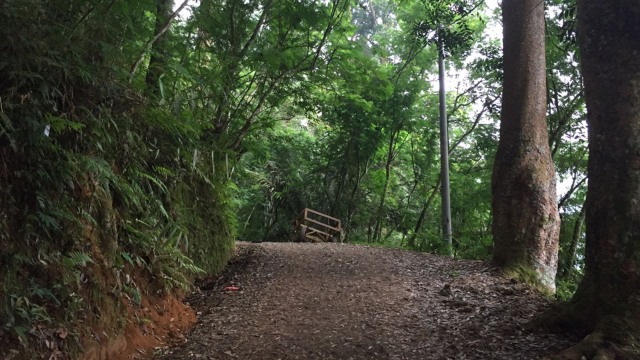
x=156, y=323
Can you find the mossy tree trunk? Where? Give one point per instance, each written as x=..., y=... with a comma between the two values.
x=607, y=302
x=526, y=223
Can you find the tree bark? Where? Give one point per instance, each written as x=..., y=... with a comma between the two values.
x=164, y=14
x=526, y=223
x=607, y=302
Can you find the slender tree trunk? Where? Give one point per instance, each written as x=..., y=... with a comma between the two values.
x=425, y=206
x=607, y=302
x=570, y=260
x=273, y=219
x=526, y=223
x=387, y=175
x=405, y=211
x=157, y=62
x=334, y=205
x=444, y=151
x=351, y=207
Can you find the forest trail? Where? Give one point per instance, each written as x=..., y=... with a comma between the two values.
x=339, y=301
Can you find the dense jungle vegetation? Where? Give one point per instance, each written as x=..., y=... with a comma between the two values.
x=140, y=139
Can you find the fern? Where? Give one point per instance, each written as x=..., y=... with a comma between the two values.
x=175, y=268
x=42, y=293
x=60, y=124
x=6, y=128
x=153, y=180
x=99, y=169
x=164, y=171
x=76, y=259
x=139, y=262
x=46, y=222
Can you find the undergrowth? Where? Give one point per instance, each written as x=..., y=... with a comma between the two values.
x=102, y=198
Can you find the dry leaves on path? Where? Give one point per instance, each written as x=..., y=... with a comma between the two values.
x=339, y=301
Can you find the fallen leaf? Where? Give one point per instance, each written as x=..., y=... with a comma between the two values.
x=62, y=333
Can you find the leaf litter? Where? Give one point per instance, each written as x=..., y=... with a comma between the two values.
x=340, y=301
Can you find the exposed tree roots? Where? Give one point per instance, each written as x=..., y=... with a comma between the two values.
x=610, y=338
x=594, y=346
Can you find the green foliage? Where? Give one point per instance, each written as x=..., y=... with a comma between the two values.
x=22, y=312
x=565, y=288
x=92, y=204
x=126, y=161
x=454, y=22
x=369, y=142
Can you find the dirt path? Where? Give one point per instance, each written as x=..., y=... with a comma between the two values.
x=335, y=301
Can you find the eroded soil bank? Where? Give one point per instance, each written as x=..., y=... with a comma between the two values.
x=338, y=301
x=150, y=326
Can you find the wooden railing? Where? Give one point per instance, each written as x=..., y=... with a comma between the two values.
x=315, y=226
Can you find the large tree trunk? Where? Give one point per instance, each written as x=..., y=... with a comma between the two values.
x=526, y=223
x=607, y=302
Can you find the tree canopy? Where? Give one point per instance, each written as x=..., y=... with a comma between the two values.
x=147, y=136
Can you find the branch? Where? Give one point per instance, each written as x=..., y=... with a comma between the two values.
x=249, y=121
x=574, y=186
x=565, y=118
x=256, y=29
x=150, y=43
x=473, y=126
x=456, y=102
x=334, y=19
x=83, y=18
x=413, y=53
